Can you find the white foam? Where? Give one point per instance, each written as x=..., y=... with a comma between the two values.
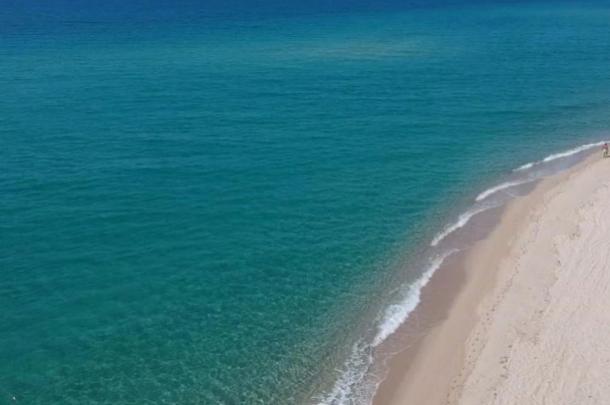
x=352, y=386
x=396, y=314
x=560, y=155
x=525, y=167
x=461, y=221
x=502, y=186
x=571, y=152
x=351, y=378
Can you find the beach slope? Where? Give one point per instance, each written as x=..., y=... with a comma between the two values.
x=538, y=292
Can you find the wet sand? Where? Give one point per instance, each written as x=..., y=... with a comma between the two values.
x=489, y=327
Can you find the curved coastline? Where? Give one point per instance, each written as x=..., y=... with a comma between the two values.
x=483, y=344
x=369, y=375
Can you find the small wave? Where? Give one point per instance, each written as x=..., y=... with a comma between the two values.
x=525, y=167
x=352, y=386
x=500, y=187
x=396, y=314
x=351, y=379
x=573, y=151
x=461, y=221
x=560, y=155
x=529, y=165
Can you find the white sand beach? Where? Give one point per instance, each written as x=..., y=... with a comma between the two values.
x=531, y=324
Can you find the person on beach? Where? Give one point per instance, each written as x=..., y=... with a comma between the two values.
x=605, y=149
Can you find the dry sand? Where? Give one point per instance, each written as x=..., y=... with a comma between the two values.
x=531, y=322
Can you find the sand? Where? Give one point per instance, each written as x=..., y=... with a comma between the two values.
x=530, y=323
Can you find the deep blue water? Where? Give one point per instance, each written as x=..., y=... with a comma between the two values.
x=212, y=204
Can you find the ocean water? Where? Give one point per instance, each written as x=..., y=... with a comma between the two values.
x=235, y=204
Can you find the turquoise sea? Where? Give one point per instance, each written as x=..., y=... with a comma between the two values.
x=235, y=204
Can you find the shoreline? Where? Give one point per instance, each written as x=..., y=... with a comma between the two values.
x=438, y=360
x=378, y=362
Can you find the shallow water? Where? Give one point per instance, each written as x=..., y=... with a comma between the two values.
x=216, y=209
